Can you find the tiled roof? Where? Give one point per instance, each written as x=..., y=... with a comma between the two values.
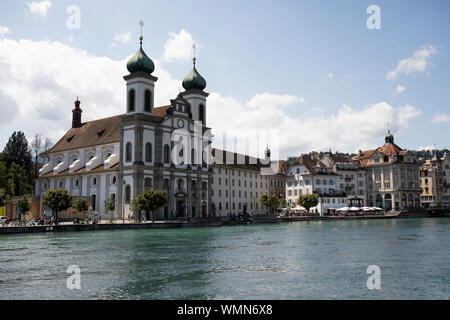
x=239, y=161
x=314, y=165
x=388, y=149
x=94, y=133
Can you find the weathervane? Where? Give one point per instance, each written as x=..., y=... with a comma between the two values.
x=141, y=23
x=194, y=51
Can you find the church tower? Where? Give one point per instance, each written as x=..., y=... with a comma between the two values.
x=140, y=83
x=194, y=84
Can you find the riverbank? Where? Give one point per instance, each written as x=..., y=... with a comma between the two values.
x=213, y=222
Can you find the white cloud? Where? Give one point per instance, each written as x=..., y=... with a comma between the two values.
x=4, y=31
x=399, y=89
x=349, y=129
x=55, y=83
x=178, y=47
x=330, y=75
x=427, y=148
x=441, y=118
x=123, y=37
x=418, y=62
x=70, y=38
x=39, y=8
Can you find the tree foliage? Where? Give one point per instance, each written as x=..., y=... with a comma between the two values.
x=308, y=201
x=3, y=199
x=17, y=151
x=110, y=203
x=24, y=206
x=58, y=200
x=151, y=200
x=270, y=201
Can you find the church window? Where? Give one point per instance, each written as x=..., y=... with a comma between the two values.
x=202, y=113
x=128, y=152
x=166, y=154
x=131, y=100
x=148, y=152
x=127, y=193
x=147, y=103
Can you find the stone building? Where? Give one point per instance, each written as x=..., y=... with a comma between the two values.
x=240, y=180
x=154, y=148
x=433, y=182
x=392, y=176
x=124, y=155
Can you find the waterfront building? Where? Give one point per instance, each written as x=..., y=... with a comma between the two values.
x=433, y=182
x=392, y=176
x=351, y=178
x=310, y=175
x=446, y=169
x=124, y=155
x=146, y=148
x=240, y=180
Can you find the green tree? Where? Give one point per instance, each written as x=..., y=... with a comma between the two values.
x=3, y=199
x=110, y=203
x=18, y=181
x=81, y=205
x=23, y=207
x=58, y=200
x=18, y=151
x=269, y=201
x=151, y=200
x=3, y=176
x=308, y=201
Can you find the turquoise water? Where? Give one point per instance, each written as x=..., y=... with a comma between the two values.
x=301, y=260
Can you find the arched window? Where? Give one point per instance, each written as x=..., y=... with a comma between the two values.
x=201, y=110
x=93, y=201
x=128, y=152
x=147, y=101
x=131, y=100
x=127, y=193
x=166, y=154
x=148, y=152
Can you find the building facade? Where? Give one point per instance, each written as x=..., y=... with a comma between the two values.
x=433, y=180
x=154, y=148
x=392, y=176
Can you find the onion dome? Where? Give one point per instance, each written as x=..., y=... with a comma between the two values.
x=389, y=137
x=140, y=62
x=194, y=80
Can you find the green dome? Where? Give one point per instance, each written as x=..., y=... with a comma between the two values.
x=194, y=80
x=140, y=62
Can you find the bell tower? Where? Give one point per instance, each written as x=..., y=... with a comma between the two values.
x=194, y=84
x=140, y=83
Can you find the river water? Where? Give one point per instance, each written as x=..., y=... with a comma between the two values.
x=299, y=260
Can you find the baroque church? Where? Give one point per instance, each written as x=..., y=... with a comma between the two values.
x=145, y=149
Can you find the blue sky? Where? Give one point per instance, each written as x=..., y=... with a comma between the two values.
x=318, y=51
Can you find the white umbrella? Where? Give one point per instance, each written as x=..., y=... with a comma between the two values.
x=367, y=209
x=355, y=209
x=377, y=209
x=343, y=209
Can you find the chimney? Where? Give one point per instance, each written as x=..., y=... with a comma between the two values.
x=76, y=115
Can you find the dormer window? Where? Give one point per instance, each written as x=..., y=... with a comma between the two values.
x=69, y=139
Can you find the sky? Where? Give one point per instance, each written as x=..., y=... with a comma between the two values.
x=302, y=75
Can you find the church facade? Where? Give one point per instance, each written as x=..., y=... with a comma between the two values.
x=146, y=148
